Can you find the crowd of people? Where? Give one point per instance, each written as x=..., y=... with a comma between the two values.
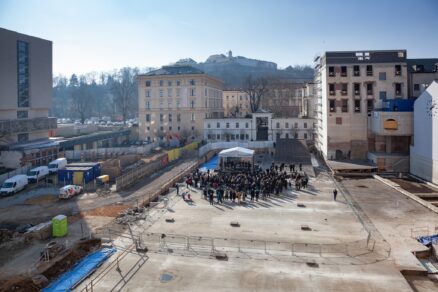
x=247, y=185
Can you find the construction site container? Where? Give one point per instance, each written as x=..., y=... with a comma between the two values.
x=76, y=175
x=94, y=165
x=59, y=226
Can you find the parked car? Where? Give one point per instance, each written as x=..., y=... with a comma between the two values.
x=69, y=191
x=14, y=184
x=57, y=164
x=38, y=173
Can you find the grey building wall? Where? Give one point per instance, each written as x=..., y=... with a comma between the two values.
x=40, y=85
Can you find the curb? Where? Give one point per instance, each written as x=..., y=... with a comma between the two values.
x=406, y=193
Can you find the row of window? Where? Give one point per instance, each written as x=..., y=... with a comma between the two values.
x=162, y=83
x=148, y=93
x=23, y=73
x=240, y=97
x=163, y=129
x=227, y=137
x=357, y=89
x=192, y=104
x=148, y=117
x=356, y=70
x=237, y=125
x=227, y=125
x=192, y=92
x=344, y=105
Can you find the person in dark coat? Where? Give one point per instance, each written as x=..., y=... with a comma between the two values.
x=335, y=194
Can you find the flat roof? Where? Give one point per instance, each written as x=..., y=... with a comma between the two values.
x=174, y=70
x=364, y=56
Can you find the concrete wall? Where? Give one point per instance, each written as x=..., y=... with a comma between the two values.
x=403, y=120
x=74, y=130
x=424, y=151
x=11, y=159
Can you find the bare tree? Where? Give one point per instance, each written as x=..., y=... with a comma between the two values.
x=256, y=90
x=124, y=89
x=234, y=111
x=81, y=99
x=184, y=135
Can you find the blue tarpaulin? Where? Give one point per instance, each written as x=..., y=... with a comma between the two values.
x=428, y=240
x=80, y=271
x=211, y=164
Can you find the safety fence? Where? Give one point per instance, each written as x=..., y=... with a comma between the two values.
x=201, y=244
x=105, y=153
x=21, y=170
x=134, y=174
x=224, y=145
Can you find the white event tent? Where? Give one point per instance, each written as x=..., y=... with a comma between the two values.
x=237, y=153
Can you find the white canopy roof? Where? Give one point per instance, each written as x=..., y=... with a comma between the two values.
x=236, y=152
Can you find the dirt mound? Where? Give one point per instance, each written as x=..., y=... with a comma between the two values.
x=106, y=211
x=19, y=284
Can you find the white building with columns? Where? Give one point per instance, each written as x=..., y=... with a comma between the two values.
x=260, y=127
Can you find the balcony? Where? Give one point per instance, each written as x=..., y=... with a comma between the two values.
x=8, y=127
x=392, y=123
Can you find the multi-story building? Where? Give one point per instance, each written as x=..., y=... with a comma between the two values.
x=25, y=97
x=280, y=98
x=352, y=88
x=422, y=72
x=236, y=103
x=175, y=100
x=261, y=126
x=307, y=95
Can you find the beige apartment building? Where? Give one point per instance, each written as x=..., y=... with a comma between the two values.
x=25, y=99
x=236, y=103
x=352, y=88
x=175, y=100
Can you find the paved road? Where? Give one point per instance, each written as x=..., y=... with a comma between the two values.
x=15, y=210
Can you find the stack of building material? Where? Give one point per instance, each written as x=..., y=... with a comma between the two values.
x=41, y=231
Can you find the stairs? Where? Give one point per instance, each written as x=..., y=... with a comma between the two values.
x=291, y=151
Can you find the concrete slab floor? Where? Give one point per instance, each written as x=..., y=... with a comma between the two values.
x=395, y=216
x=276, y=219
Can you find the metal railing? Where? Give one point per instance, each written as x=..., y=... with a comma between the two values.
x=200, y=244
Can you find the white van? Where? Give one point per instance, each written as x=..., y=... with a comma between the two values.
x=57, y=164
x=13, y=185
x=38, y=173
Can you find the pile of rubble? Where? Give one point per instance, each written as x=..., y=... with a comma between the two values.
x=131, y=215
x=6, y=235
